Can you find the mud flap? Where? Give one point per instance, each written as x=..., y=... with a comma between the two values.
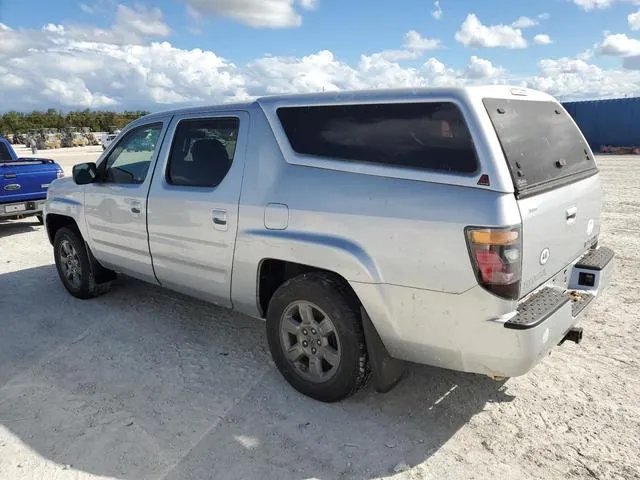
x=386, y=370
x=101, y=274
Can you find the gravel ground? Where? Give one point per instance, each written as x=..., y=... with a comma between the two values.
x=144, y=383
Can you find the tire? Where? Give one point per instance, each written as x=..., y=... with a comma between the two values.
x=40, y=219
x=339, y=366
x=69, y=251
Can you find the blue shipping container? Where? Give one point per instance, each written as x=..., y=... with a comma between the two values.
x=608, y=122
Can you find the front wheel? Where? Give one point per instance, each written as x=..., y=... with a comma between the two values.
x=74, y=266
x=40, y=219
x=316, y=338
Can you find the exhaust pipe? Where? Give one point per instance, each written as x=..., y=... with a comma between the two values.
x=573, y=335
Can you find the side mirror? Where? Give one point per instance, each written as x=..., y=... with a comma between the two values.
x=85, y=173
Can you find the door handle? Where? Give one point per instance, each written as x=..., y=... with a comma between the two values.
x=572, y=213
x=220, y=219
x=134, y=205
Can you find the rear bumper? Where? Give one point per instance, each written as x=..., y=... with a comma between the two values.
x=544, y=317
x=26, y=208
x=474, y=331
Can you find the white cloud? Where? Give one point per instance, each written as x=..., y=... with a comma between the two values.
x=544, y=16
x=619, y=45
x=542, y=39
x=76, y=66
x=146, y=22
x=576, y=79
x=586, y=55
x=524, y=22
x=255, y=13
x=53, y=28
x=414, y=41
x=309, y=4
x=414, y=47
x=481, y=68
x=634, y=20
x=311, y=73
x=473, y=33
x=600, y=4
x=437, y=11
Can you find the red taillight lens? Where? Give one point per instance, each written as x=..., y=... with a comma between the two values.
x=496, y=259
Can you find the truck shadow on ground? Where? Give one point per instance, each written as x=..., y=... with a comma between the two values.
x=8, y=228
x=145, y=383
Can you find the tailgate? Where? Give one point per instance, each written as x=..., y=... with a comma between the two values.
x=26, y=179
x=556, y=183
x=558, y=226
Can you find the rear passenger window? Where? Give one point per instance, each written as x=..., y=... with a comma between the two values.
x=202, y=151
x=429, y=136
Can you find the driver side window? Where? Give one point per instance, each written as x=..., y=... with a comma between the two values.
x=129, y=161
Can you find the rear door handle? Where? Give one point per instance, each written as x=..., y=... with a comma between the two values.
x=220, y=219
x=134, y=205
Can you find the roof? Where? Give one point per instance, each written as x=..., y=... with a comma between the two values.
x=348, y=96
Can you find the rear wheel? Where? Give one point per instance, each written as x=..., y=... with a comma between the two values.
x=316, y=338
x=75, y=268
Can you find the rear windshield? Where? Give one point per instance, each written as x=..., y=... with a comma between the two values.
x=539, y=140
x=431, y=136
x=5, y=156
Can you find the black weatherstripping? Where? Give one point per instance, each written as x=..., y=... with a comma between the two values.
x=542, y=145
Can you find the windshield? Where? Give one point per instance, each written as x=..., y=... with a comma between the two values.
x=540, y=142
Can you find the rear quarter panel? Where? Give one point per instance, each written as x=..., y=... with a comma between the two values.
x=368, y=228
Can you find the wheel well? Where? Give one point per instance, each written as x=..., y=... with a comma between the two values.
x=273, y=273
x=55, y=222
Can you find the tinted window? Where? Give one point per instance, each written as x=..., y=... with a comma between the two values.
x=539, y=140
x=432, y=136
x=5, y=156
x=202, y=151
x=130, y=160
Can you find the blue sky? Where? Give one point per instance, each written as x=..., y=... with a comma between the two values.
x=267, y=46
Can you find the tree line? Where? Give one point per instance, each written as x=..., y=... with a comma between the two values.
x=97, y=121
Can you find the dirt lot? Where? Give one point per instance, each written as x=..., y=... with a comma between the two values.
x=143, y=383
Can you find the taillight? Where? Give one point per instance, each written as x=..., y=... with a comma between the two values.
x=496, y=256
x=60, y=174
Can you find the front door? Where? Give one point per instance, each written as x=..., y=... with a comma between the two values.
x=116, y=205
x=193, y=204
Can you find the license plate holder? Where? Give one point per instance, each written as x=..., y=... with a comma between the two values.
x=18, y=207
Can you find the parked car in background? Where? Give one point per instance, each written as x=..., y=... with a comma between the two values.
x=24, y=183
x=108, y=139
x=453, y=227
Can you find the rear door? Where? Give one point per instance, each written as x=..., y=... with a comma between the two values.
x=556, y=181
x=193, y=204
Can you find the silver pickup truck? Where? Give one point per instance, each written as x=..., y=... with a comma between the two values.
x=454, y=227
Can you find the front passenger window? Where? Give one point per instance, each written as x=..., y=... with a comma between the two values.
x=130, y=160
